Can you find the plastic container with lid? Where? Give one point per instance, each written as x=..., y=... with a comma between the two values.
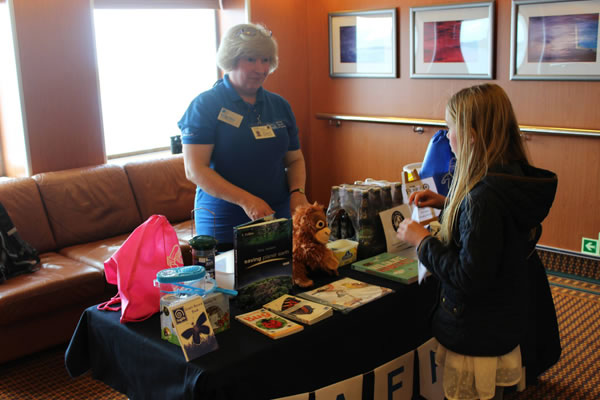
x=177, y=284
x=184, y=281
x=204, y=248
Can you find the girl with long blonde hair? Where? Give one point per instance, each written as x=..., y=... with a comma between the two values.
x=497, y=201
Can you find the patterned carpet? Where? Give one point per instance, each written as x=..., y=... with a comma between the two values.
x=575, y=376
x=43, y=376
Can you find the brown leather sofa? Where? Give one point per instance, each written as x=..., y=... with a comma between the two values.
x=77, y=219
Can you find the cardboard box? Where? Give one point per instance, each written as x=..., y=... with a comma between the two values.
x=344, y=250
x=217, y=307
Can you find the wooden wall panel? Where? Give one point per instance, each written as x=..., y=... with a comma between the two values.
x=63, y=120
x=287, y=21
x=359, y=150
x=576, y=209
x=61, y=105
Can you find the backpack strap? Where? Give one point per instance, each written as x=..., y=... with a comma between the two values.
x=109, y=305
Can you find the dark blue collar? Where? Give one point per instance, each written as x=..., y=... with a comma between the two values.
x=235, y=97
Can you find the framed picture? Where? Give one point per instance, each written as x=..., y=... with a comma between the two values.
x=554, y=39
x=363, y=44
x=452, y=41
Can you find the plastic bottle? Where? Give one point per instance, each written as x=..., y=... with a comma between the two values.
x=397, y=194
x=386, y=197
x=333, y=213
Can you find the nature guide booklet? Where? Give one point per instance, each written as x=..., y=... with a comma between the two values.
x=298, y=309
x=262, y=249
x=194, y=331
x=390, y=266
x=390, y=220
x=269, y=323
x=346, y=294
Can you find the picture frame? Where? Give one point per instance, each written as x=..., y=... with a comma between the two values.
x=363, y=44
x=452, y=41
x=555, y=40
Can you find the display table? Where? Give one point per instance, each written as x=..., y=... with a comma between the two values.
x=133, y=359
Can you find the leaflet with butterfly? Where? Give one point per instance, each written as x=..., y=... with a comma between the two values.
x=194, y=331
x=300, y=310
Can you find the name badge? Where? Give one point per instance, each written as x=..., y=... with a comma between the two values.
x=263, y=132
x=230, y=117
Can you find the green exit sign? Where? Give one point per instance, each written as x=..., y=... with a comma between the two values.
x=590, y=246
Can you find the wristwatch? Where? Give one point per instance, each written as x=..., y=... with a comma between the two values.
x=297, y=190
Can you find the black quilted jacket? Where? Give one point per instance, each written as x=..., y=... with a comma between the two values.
x=483, y=275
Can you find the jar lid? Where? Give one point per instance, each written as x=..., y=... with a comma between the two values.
x=203, y=242
x=181, y=274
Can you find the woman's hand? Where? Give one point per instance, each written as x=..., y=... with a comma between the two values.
x=427, y=198
x=411, y=232
x=256, y=208
x=297, y=199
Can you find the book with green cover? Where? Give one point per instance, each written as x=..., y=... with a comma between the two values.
x=262, y=249
x=300, y=310
x=389, y=266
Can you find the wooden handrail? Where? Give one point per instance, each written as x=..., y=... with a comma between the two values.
x=419, y=123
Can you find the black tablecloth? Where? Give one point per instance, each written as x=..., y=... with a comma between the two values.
x=133, y=359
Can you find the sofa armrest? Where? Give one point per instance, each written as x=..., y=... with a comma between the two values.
x=21, y=198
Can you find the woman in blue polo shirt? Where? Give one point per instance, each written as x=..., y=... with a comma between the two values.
x=240, y=141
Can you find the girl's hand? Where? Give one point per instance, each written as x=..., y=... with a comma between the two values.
x=427, y=198
x=411, y=232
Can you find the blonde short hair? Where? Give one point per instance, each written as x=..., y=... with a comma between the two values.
x=246, y=40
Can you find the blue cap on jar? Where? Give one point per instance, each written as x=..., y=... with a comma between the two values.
x=181, y=274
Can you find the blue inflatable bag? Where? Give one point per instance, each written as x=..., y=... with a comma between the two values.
x=439, y=162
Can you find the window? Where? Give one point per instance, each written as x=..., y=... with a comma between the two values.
x=151, y=64
x=11, y=122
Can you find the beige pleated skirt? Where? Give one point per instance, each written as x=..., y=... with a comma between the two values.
x=472, y=378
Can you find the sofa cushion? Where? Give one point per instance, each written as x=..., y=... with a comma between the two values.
x=184, y=234
x=95, y=253
x=21, y=198
x=88, y=204
x=60, y=283
x=161, y=187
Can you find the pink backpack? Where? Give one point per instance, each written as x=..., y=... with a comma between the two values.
x=151, y=247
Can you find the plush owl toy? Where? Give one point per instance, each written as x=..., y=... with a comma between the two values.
x=310, y=253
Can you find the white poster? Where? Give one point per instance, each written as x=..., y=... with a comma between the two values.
x=350, y=389
x=430, y=375
x=394, y=380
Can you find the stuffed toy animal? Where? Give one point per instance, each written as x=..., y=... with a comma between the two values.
x=310, y=253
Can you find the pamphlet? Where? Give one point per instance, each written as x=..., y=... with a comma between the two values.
x=269, y=323
x=423, y=215
x=346, y=294
x=300, y=310
x=390, y=220
x=194, y=331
